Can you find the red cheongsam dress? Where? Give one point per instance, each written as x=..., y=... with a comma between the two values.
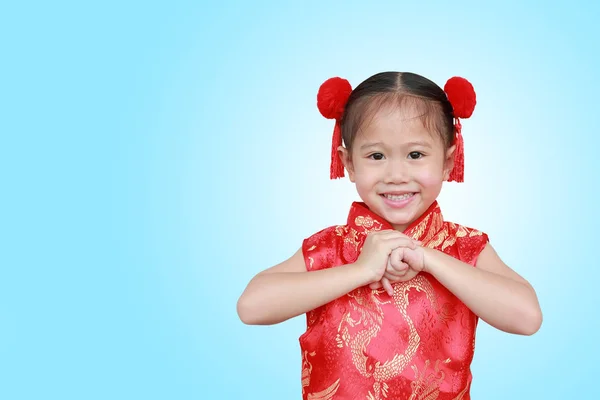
x=416, y=344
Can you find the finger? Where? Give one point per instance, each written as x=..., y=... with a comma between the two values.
x=396, y=258
x=375, y=285
x=396, y=261
x=415, y=241
x=389, y=266
x=387, y=286
x=392, y=275
x=404, y=270
x=397, y=233
x=383, y=233
x=399, y=270
x=390, y=233
x=392, y=246
x=393, y=243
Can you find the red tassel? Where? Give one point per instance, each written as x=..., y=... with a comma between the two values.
x=458, y=172
x=337, y=167
x=331, y=100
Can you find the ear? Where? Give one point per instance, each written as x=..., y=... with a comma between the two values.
x=449, y=162
x=347, y=161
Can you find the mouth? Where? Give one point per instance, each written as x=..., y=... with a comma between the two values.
x=396, y=196
x=398, y=200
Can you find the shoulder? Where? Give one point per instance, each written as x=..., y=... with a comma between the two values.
x=463, y=231
x=469, y=242
x=321, y=248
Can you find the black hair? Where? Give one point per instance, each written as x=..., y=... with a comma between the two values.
x=403, y=89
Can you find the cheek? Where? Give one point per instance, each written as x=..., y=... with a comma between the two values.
x=430, y=180
x=365, y=171
x=430, y=176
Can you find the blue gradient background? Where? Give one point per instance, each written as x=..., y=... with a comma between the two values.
x=155, y=156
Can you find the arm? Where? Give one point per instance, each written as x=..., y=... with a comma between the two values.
x=493, y=291
x=288, y=290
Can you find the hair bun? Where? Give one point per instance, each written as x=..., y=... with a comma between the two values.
x=333, y=96
x=461, y=95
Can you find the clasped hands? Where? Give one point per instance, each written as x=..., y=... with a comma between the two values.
x=391, y=256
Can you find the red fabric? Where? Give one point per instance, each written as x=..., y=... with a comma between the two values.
x=416, y=344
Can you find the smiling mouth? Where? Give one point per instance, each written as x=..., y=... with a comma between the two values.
x=398, y=197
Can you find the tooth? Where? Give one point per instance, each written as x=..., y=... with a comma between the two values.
x=398, y=197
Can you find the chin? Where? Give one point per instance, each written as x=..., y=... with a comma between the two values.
x=401, y=222
x=401, y=217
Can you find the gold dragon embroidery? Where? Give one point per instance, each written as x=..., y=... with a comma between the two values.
x=433, y=233
x=368, y=306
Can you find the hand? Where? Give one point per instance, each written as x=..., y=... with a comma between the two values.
x=376, y=251
x=403, y=265
x=377, y=248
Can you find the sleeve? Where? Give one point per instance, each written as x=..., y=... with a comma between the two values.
x=471, y=245
x=320, y=249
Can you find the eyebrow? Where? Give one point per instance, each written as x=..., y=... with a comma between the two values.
x=419, y=143
x=372, y=144
x=414, y=143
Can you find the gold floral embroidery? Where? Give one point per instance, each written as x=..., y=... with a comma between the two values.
x=417, y=231
x=437, y=223
x=436, y=240
x=349, y=234
x=326, y=394
x=450, y=241
x=475, y=232
x=462, y=392
x=461, y=231
x=355, y=237
x=429, y=227
x=352, y=238
x=427, y=386
x=368, y=223
x=306, y=369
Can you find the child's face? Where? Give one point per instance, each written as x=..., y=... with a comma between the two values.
x=398, y=166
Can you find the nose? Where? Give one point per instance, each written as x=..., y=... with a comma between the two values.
x=396, y=171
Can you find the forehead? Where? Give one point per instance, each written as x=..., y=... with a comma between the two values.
x=395, y=124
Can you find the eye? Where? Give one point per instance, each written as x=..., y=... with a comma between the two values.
x=415, y=155
x=376, y=156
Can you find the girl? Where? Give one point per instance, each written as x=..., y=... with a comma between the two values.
x=393, y=296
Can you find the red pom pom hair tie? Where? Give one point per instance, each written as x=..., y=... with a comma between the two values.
x=461, y=95
x=331, y=102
